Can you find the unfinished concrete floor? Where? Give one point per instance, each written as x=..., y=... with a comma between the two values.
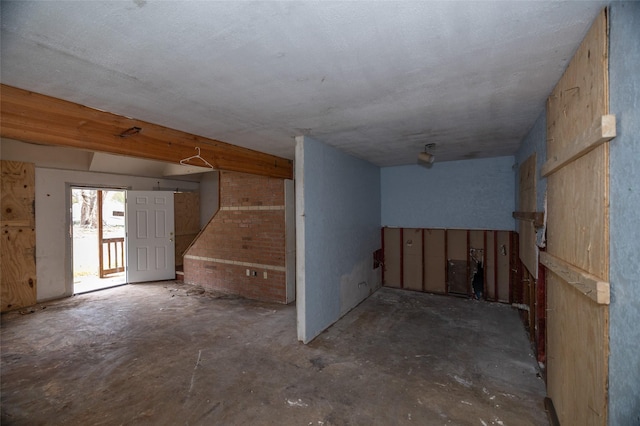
x=168, y=354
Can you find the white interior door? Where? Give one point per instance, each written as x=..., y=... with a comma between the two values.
x=150, y=236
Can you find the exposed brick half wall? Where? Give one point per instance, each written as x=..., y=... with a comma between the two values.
x=247, y=233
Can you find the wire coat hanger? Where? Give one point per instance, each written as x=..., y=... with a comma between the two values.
x=185, y=161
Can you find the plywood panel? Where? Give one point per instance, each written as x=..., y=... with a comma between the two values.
x=457, y=244
x=503, y=264
x=527, y=298
x=490, y=272
x=476, y=246
x=582, y=94
x=476, y=262
x=392, y=264
x=578, y=200
x=18, y=194
x=412, y=259
x=18, y=267
x=457, y=262
x=476, y=240
x=527, y=203
x=577, y=329
x=434, y=261
x=577, y=232
x=17, y=254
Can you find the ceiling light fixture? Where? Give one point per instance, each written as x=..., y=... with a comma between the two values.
x=426, y=157
x=130, y=132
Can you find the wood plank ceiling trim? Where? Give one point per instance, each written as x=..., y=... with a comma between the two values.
x=37, y=118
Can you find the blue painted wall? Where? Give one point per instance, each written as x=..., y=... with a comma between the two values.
x=468, y=194
x=624, y=220
x=535, y=141
x=338, y=229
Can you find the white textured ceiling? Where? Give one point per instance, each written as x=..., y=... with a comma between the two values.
x=378, y=80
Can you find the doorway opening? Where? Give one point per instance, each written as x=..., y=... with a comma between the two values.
x=98, y=238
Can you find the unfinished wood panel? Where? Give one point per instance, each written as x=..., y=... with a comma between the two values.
x=446, y=261
x=490, y=272
x=457, y=244
x=515, y=267
x=601, y=131
x=578, y=388
x=578, y=234
x=17, y=254
x=541, y=315
x=525, y=302
x=18, y=267
x=582, y=94
x=412, y=259
x=476, y=245
x=519, y=286
x=392, y=262
x=457, y=262
x=587, y=284
x=578, y=199
x=18, y=194
x=537, y=218
x=32, y=117
x=187, y=222
x=476, y=261
x=530, y=302
x=503, y=265
x=435, y=261
x=577, y=330
x=527, y=203
x=476, y=239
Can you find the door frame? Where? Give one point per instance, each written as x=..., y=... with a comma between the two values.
x=69, y=186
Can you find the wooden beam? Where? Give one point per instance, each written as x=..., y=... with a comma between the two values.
x=602, y=130
x=36, y=118
x=589, y=285
x=536, y=217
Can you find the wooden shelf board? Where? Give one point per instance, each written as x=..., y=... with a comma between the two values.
x=602, y=130
x=589, y=285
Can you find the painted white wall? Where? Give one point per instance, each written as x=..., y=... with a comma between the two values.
x=290, y=238
x=338, y=229
x=45, y=156
x=53, y=251
x=467, y=194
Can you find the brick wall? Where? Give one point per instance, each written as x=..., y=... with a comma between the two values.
x=247, y=233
